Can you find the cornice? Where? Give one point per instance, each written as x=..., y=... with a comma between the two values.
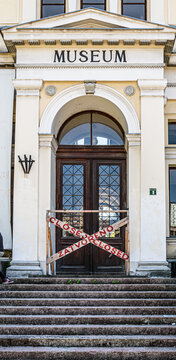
x=171, y=84
x=28, y=87
x=47, y=140
x=134, y=139
x=170, y=152
x=153, y=87
x=73, y=66
x=171, y=241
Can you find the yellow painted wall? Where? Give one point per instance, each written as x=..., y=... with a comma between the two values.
x=172, y=12
x=118, y=86
x=10, y=11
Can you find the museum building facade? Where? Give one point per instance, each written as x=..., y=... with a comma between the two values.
x=88, y=122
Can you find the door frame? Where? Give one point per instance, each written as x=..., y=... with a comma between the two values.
x=100, y=154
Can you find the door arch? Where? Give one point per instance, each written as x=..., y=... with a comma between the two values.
x=91, y=174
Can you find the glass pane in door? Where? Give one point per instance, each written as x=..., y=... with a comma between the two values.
x=109, y=196
x=73, y=195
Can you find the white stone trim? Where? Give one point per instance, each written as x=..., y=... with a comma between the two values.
x=151, y=268
x=134, y=139
x=171, y=241
x=170, y=153
x=103, y=91
x=46, y=140
x=171, y=91
x=90, y=66
x=28, y=87
x=153, y=87
x=28, y=92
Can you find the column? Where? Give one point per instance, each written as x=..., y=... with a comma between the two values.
x=47, y=191
x=153, y=202
x=6, y=120
x=25, y=220
x=134, y=148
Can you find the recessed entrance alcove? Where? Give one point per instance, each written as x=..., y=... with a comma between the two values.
x=89, y=169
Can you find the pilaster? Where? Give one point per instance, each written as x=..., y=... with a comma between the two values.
x=153, y=208
x=25, y=222
x=134, y=148
x=47, y=190
x=6, y=121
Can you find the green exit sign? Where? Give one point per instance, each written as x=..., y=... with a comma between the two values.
x=152, y=191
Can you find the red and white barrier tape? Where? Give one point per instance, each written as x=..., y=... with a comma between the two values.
x=87, y=239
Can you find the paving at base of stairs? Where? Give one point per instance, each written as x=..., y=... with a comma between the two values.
x=88, y=317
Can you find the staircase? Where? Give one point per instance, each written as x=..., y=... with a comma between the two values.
x=88, y=318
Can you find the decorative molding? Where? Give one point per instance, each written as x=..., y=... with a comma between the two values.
x=151, y=268
x=171, y=241
x=34, y=42
x=144, y=42
x=134, y=139
x=28, y=92
x=97, y=42
x=28, y=87
x=89, y=66
x=90, y=86
x=129, y=42
x=113, y=42
x=153, y=87
x=50, y=42
x=66, y=42
x=129, y=90
x=165, y=100
x=81, y=42
x=50, y=90
x=18, y=42
x=24, y=268
x=170, y=152
x=48, y=126
x=171, y=84
x=161, y=42
x=46, y=140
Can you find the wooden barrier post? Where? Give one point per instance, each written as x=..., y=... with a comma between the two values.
x=51, y=250
x=126, y=248
x=47, y=235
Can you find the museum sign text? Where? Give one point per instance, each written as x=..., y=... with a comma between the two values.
x=90, y=56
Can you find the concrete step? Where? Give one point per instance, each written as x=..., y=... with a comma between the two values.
x=88, y=330
x=90, y=287
x=91, y=280
x=88, y=340
x=98, y=353
x=10, y=293
x=88, y=319
x=47, y=318
x=86, y=302
x=87, y=310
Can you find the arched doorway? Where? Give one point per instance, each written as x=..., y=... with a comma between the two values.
x=91, y=174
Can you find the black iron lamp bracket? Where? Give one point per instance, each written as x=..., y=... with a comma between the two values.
x=26, y=163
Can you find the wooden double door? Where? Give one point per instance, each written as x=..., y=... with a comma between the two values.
x=91, y=179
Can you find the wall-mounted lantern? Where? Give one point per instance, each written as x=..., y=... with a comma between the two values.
x=26, y=163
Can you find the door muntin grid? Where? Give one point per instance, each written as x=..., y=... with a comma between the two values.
x=109, y=195
x=73, y=195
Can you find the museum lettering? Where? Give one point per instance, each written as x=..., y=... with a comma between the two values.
x=90, y=56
